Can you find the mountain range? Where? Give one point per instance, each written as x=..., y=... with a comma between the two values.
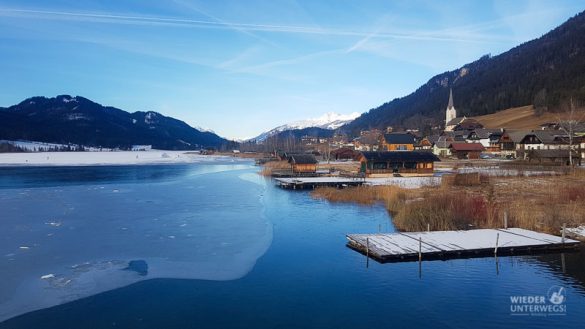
x=545, y=72
x=328, y=121
x=78, y=120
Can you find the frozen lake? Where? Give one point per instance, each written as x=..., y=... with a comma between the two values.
x=214, y=245
x=65, y=238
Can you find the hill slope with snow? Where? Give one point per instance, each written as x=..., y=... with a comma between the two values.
x=329, y=121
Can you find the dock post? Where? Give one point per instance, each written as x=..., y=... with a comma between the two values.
x=564, y=226
x=505, y=219
x=419, y=248
x=367, y=252
x=428, y=227
x=497, y=239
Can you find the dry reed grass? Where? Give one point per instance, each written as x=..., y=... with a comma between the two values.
x=542, y=204
x=390, y=196
x=269, y=167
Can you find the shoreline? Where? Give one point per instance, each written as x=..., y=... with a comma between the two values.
x=541, y=203
x=103, y=158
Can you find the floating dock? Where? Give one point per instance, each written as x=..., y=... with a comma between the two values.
x=408, y=246
x=297, y=183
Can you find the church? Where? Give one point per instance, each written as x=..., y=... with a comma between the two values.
x=451, y=113
x=451, y=119
x=452, y=122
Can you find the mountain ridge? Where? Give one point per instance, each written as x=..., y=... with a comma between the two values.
x=546, y=71
x=78, y=120
x=328, y=121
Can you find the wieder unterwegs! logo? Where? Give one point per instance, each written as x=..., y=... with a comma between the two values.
x=554, y=303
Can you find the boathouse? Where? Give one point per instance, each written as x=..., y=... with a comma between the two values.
x=397, y=162
x=344, y=153
x=466, y=150
x=303, y=163
x=553, y=157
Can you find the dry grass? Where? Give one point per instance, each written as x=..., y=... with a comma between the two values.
x=518, y=118
x=269, y=167
x=536, y=203
x=547, y=204
x=392, y=197
x=463, y=179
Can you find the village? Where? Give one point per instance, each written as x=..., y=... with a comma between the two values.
x=376, y=153
x=466, y=177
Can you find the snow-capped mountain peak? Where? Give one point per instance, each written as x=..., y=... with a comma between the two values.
x=330, y=120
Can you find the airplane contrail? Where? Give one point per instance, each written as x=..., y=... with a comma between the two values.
x=127, y=19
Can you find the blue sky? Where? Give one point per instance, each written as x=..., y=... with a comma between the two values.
x=243, y=67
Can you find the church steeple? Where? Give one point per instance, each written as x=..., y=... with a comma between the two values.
x=450, y=114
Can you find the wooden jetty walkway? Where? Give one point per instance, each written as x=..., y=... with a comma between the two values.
x=408, y=246
x=296, y=183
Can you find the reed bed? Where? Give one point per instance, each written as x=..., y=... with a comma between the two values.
x=542, y=204
x=269, y=167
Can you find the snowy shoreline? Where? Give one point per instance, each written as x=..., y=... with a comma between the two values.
x=103, y=158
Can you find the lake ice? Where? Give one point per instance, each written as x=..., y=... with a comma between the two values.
x=62, y=242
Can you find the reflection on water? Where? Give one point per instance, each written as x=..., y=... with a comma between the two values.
x=308, y=278
x=568, y=266
x=27, y=177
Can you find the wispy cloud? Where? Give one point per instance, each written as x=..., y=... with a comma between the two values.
x=261, y=68
x=247, y=27
x=224, y=23
x=361, y=42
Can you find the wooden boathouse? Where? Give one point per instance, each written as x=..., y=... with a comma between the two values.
x=303, y=163
x=397, y=162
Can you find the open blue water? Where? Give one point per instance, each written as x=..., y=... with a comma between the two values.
x=297, y=273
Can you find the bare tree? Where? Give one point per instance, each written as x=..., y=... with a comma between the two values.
x=569, y=124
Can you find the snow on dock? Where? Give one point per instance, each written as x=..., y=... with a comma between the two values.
x=389, y=247
x=337, y=181
x=313, y=182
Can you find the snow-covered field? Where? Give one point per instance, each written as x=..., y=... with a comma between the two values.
x=405, y=182
x=100, y=158
x=33, y=146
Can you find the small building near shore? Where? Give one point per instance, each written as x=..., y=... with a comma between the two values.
x=303, y=163
x=397, y=162
x=553, y=157
x=397, y=142
x=344, y=153
x=466, y=150
x=441, y=146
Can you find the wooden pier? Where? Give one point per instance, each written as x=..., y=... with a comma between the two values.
x=297, y=183
x=409, y=246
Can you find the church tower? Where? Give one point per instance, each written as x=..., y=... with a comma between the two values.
x=450, y=113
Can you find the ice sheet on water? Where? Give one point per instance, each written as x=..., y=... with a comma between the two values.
x=208, y=224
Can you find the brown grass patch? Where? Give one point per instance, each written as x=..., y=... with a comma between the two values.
x=536, y=203
x=269, y=167
x=519, y=118
x=390, y=196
